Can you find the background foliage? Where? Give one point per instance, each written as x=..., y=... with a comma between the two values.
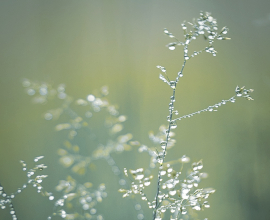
x=88, y=44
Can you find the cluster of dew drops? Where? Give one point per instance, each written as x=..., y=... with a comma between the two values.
x=34, y=180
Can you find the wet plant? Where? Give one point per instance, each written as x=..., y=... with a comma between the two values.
x=178, y=194
x=175, y=193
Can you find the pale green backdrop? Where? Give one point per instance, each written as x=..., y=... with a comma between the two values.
x=87, y=44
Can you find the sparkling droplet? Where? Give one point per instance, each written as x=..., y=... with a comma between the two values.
x=172, y=193
x=232, y=99
x=147, y=183
x=85, y=206
x=180, y=74
x=91, y=98
x=163, y=144
x=38, y=158
x=185, y=159
x=183, y=210
x=173, y=84
x=173, y=125
x=206, y=204
x=173, y=209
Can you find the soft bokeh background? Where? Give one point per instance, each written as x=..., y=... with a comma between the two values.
x=87, y=44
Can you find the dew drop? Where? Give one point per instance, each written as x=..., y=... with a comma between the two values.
x=62, y=95
x=144, y=198
x=122, y=118
x=63, y=214
x=91, y=98
x=31, y=92
x=180, y=74
x=183, y=210
x=163, y=144
x=147, y=183
x=138, y=207
x=163, y=172
x=85, y=206
x=170, y=185
x=38, y=158
x=173, y=209
x=197, y=207
x=232, y=99
x=48, y=116
x=122, y=182
x=170, y=170
x=93, y=211
x=172, y=193
x=185, y=159
x=219, y=37
x=173, y=125
x=206, y=204
x=43, y=91
x=163, y=209
x=139, y=176
x=173, y=84
x=225, y=31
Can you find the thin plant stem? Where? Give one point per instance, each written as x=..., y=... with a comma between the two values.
x=171, y=108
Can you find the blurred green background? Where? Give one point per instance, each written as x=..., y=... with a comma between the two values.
x=87, y=44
